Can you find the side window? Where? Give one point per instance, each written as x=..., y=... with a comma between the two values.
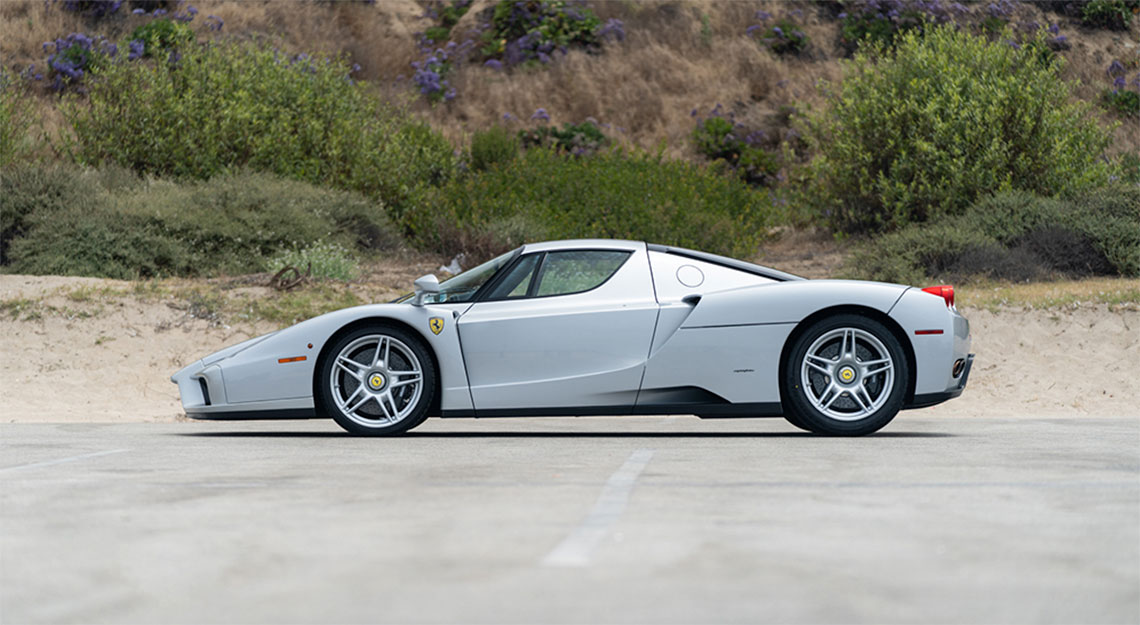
x=517, y=281
x=563, y=273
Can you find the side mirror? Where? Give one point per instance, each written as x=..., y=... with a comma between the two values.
x=425, y=285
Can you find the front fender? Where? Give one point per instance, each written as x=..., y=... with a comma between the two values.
x=281, y=366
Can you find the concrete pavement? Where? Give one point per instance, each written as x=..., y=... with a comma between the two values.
x=672, y=519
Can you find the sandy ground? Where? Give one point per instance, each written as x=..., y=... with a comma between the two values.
x=114, y=366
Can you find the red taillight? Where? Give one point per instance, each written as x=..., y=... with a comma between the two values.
x=945, y=291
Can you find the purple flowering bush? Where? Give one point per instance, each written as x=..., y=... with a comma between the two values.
x=228, y=106
x=882, y=21
x=522, y=31
x=720, y=138
x=583, y=139
x=1124, y=96
x=95, y=9
x=72, y=57
x=431, y=74
x=944, y=119
x=783, y=37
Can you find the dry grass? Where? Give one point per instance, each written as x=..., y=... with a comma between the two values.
x=1117, y=293
x=678, y=56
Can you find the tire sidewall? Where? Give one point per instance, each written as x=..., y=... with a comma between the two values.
x=801, y=408
x=327, y=404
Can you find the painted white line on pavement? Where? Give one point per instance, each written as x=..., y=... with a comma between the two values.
x=49, y=463
x=577, y=548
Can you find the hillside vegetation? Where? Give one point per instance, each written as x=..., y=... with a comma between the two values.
x=144, y=138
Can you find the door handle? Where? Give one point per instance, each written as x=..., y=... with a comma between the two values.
x=691, y=300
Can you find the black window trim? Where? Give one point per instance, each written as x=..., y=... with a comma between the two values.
x=499, y=276
x=723, y=261
x=506, y=271
x=484, y=296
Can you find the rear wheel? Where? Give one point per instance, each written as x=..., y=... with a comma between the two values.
x=377, y=381
x=846, y=376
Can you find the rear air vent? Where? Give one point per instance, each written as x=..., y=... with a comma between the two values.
x=205, y=390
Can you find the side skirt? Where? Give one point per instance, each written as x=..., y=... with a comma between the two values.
x=255, y=415
x=704, y=411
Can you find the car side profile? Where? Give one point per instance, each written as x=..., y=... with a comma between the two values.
x=602, y=327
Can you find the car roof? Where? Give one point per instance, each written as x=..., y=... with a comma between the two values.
x=631, y=246
x=578, y=244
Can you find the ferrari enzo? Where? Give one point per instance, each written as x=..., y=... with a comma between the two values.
x=602, y=327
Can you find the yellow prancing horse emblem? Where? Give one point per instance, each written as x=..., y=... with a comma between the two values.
x=436, y=324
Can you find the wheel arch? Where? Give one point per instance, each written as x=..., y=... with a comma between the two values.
x=373, y=321
x=871, y=313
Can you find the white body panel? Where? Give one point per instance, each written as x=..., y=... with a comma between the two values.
x=583, y=349
x=668, y=328
x=934, y=354
x=252, y=379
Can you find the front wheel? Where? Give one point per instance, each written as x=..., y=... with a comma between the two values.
x=377, y=381
x=846, y=375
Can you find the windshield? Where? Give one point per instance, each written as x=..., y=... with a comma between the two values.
x=462, y=287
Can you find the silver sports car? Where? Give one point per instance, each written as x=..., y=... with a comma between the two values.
x=601, y=327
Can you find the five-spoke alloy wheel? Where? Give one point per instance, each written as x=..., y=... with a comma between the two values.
x=845, y=375
x=377, y=380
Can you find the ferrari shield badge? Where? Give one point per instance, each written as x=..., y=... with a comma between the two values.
x=436, y=324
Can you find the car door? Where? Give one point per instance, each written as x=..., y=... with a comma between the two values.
x=563, y=329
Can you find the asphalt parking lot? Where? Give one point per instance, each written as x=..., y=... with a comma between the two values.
x=572, y=520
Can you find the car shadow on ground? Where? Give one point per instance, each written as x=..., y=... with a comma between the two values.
x=476, y=434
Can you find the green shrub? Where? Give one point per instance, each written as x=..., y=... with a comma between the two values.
x=99, y=227
x=1130, y=167
x=436, y=34
x=30, y=190
x=578, y=139
x=224, y=107
x=15, y=120
x=521, y=32
x=1114, y=14
x=318, y=260
x=786, y=37
x=544, y=195
x=868, y=24
x=1014, y=236
x=495, y=146
x=733, y=147
x=944, y=119
x=448, y=12
x=1125, y=102
x=161, y=36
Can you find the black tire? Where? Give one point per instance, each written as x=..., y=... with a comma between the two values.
x=414, y=411
x=845, y=415
x=791, y=417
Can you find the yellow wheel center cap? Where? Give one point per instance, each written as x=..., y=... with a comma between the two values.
x=847, y=374
x=376, y=381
